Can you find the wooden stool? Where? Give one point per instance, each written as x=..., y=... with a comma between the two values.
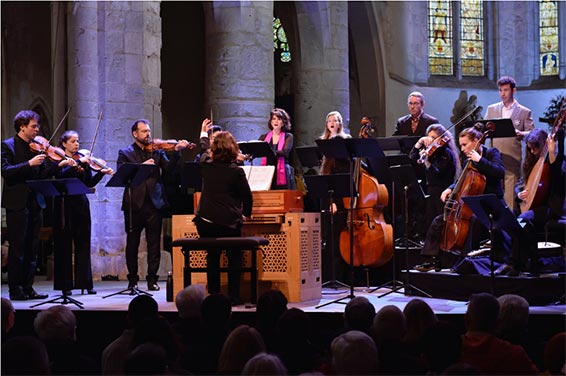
x=245, y=243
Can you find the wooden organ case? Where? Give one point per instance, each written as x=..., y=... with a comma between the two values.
x=290, y=263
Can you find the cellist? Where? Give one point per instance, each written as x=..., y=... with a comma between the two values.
x=524, y=241
x=487, y=161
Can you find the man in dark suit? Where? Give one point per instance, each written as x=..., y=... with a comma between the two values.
x=416, y=122
x=147, y=202
x=23, y=206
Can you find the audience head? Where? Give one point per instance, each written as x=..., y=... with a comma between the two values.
x=419, y=317
x=294, y=325
x=56, y=324
x=242, y=344
x=482, y=313
x=216, y=310
x=513, y=316
x=555, y=354
x=359, y=314
x=264, y=364
x=442, y=345
x=389, y=326
x=189, y=301
x=354, y=353
x=270, y=306
x=149, y=358
x=158, y=330
x=461, y=369
x=142, y=307
x=8, y=315
x=25, y=355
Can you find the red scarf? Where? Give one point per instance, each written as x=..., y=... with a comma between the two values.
x=281, y=176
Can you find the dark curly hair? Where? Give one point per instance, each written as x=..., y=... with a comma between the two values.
x=23, y=118
x=281, y=114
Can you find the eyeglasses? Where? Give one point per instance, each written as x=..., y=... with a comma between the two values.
x=414, y=103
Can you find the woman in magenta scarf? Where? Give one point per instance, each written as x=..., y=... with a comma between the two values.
x=281, y=141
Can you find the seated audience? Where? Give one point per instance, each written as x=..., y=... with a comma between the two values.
x=354, y=353
x=242, y=344
x=359, y=314
x=270, y=306
x=513, y=319
x=442, y=346
x=8, y=318
x=25, y=355
x=148, y=358
x=555, y=355
x=419, y=317
x=264, y=364
x=189, y=325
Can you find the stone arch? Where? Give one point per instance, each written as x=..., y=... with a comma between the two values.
x=40, y=106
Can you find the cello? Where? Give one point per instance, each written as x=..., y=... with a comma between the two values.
x=538, y=183
x=372, y=236
x=457, y=215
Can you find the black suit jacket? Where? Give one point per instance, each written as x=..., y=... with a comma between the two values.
x=16, y=170
x=226, y=194
x=403, y=127
x=152, y=186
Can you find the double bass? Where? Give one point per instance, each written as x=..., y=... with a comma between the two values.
x=538, y=183
x=372, y=236
x=457, y=215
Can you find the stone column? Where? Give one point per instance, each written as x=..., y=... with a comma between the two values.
x=239, y=70
x=113, y=68
x=322, y=74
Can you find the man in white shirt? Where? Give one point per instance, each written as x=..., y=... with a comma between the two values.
x=510, y=147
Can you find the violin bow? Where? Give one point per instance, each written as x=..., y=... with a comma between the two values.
x=59, y=125
x=458, y=122
x=96, y=132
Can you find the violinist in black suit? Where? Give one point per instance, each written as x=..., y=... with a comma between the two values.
x=416, y=122
x=226, y=199
x=147, y=202
x=23, y=206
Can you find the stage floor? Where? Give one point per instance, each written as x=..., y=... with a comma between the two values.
x=120, y=302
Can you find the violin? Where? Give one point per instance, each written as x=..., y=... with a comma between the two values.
x=436, y=144
x=165, y=145
x=96, y=164
x=41, y=145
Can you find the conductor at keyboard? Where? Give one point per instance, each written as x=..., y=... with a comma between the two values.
x=226, y=199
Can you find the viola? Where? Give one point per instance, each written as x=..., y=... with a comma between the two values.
x=165, y=145
x=41, y=145
x=436, y=144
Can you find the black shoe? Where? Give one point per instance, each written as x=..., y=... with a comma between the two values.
x=152, y=286
x=427, y=266
x=18, y=296
x=503, y=269
x=132, y=285
x=32, y=294
x=88, y=291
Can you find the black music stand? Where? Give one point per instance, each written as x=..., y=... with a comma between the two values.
x=494, y=215
x=404, y=177
x=191, y=177
x=309, y=156
x=62, y=188
x=503, y=127
x=130, y=175
x=333, y=187
x=256, y=149
x=349, y=148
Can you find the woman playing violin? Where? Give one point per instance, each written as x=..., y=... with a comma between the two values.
x=77, y=222
x=438, y=153
x=487, y=161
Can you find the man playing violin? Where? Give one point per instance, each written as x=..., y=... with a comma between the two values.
x=148, y=201
x=487, y=161
x=23, y=206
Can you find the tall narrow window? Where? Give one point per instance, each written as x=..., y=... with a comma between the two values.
x=440, y=43
x=280, y=44
x=548, y=34
x=471, y=38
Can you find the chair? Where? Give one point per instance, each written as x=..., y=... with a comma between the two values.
x=251, y=243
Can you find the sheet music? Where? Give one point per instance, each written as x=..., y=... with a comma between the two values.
x=259, y=177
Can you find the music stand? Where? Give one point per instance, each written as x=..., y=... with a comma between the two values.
x=333, y=187
x=349, y=148
x=256, y=149
x=63, y=188
x=191, y=177
x=503, y=127
x=494, y=215
x=404, y=177
x=309, y=156
x=128, y=175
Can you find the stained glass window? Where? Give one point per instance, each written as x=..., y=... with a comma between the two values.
x=280, y=44
x=548, y=34
x=440, y=48
x=471, y=38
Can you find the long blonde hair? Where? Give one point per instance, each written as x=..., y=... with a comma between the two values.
x=326, y=134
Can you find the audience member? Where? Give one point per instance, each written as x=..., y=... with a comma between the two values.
x=25, y=355
x=482, y=349
x=8, y=318
x=460, y=369
x=264, y=364
x=56, y=328
x=359, y=314
x=555, y=355
x=270, y=306
x=442, y=346
x=141, y=308
x=242, y=344
x=149, y=358
x=354, y=353
x=188, y=325
x=419, y=317
x=513, y=319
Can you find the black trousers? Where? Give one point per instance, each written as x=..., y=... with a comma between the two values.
x=73, y=229
x=210, y=230
x=150, y=219
x=23, y=236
